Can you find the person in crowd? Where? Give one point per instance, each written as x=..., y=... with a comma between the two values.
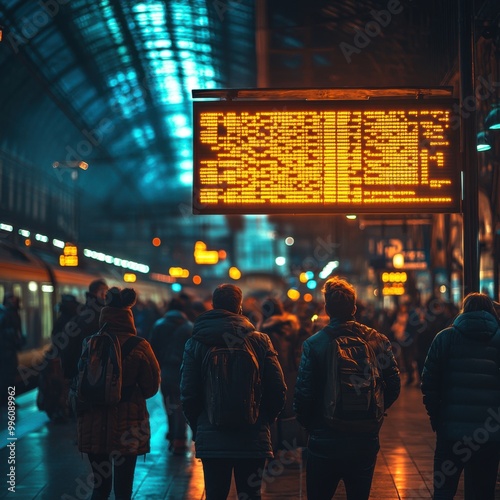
x=349, y=453
x=437, y=315
x=241, y=447
x=168, y=338
x=53, y=386
x=113, y=436
x=85, y=323
x=11, y=341
x=461, y=392
x=283, y=330
x=406, y=327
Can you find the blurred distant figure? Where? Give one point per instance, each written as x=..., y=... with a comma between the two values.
x=85, y=323
x=461, y=390
x=436, y=316
x=283, y=330
x=11, y=341
x=53, y=387
x=168, y=338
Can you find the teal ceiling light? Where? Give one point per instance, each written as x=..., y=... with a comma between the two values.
x=492, y=121
x=483, y=143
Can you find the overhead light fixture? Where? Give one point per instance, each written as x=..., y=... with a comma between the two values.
x=492, y=121
x=71, y=164
x=483, y=143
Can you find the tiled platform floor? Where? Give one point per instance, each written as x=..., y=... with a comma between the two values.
x=49, y=467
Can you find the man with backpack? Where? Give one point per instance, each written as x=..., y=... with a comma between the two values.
x=347, y=378
x=232, y=389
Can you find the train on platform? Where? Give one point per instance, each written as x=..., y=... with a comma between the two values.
x=39, y=282
x=38, y=279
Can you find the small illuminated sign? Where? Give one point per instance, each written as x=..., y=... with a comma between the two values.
x=204, y=256
x=69, y=258
x=358, y=156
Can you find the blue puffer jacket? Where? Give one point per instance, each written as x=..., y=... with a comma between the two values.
x=461, y=378
x=220, y=327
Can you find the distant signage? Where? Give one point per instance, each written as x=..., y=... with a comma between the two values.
x=69, y=258
x=385, y=156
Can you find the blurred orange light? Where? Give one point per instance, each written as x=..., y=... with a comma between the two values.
x=196, y=279
x=293, y=294
x=156, y=242
x=27, y=242
x=308, y=297
x=234, y=273
x=222, y=254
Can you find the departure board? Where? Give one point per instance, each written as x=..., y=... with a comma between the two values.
x=275, y=157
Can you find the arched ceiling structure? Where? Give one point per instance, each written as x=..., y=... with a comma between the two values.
x=109, y=82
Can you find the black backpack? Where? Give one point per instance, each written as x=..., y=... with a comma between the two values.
x=353, y=397
x=100, y=368
x=232, y=385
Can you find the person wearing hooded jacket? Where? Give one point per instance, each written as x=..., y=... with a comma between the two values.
x=461, y=393
x=113, y=436
x=283, y=330
x=168, y=338
x=221, y=450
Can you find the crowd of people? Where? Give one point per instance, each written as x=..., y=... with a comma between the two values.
x=453, y=354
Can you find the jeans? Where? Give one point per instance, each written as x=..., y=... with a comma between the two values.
x=479, y=463
x=247, y=476
x=177, y=425
x=324, y=474
x=103, y=468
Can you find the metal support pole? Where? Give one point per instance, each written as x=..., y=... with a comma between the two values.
x=468, y=147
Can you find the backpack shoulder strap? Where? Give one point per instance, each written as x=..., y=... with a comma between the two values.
x=129, y=344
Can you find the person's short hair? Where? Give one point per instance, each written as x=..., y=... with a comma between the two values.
x=228, y=297
x=476, y=301
x=340, y=298
x=96, y=284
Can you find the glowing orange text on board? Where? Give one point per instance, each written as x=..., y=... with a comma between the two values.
x=253, y=159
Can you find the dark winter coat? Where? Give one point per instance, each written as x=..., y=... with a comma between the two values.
x=309, y=391
x=283, y=330
x=461, y=379
x=220, y=327
x=168, y=338
x=124, y=427
x=85, y=323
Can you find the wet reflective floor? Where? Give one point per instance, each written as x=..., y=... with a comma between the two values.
x=47, y=465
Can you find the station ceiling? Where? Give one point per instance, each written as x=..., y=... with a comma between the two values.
x=109, y=82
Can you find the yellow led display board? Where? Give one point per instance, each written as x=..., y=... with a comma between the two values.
x=372, y=156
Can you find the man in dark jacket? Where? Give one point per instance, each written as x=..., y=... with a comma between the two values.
x=461, y=388
x=168, y=338
x=85, y=323
x=242, y=447
x=336, y=453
